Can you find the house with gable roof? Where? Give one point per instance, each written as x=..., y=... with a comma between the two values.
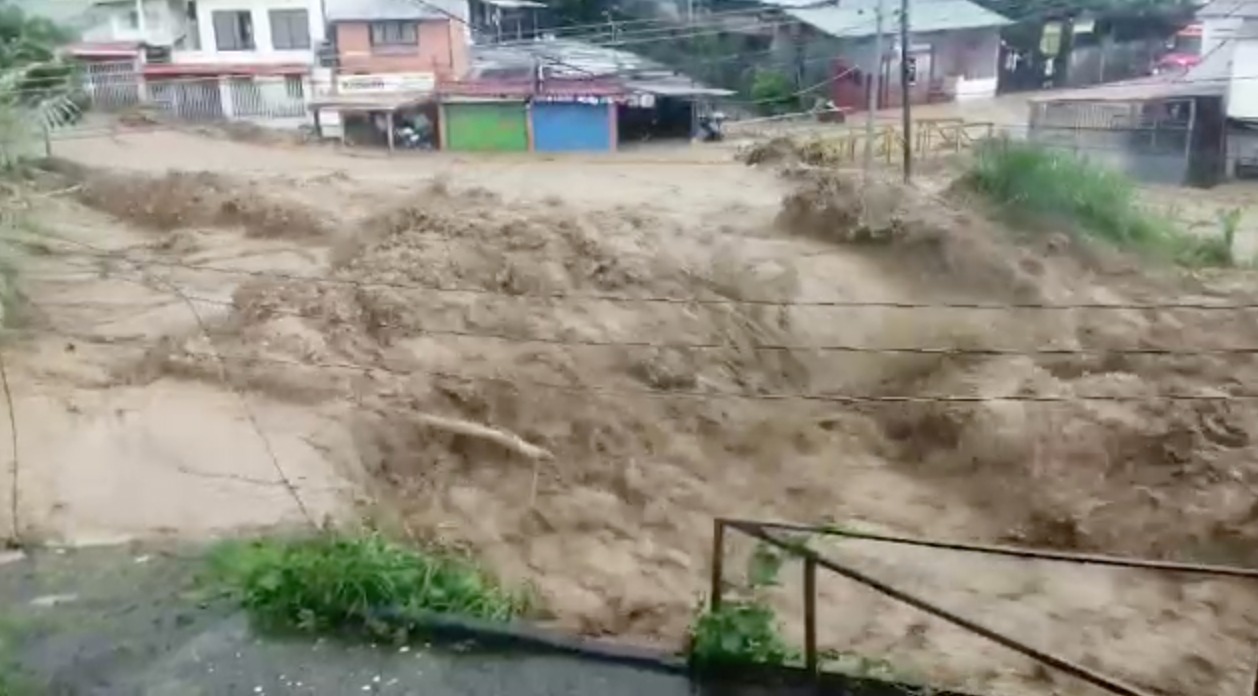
x=954, y=50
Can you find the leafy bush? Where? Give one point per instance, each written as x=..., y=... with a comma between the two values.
x=739, y=633
x=335, y=583
x=773, y=92
x=744, y=631
x=1032, y=181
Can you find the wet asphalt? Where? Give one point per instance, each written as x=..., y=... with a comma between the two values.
x=117, y=622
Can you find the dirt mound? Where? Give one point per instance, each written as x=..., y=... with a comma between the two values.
x=1046, y=468
x=954, y=250
x=183, y=199
x=784, y=151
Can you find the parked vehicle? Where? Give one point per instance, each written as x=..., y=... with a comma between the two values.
x=1183, y=52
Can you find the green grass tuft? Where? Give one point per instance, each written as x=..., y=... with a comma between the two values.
x=1035, y=183
x=340, y=584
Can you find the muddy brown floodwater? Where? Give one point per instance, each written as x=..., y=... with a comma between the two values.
x=558, y=365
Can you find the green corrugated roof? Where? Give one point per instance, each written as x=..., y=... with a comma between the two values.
x=856, y=18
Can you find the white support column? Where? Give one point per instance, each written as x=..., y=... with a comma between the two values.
x=225, y=94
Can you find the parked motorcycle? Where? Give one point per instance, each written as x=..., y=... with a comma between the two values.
x=712, y=127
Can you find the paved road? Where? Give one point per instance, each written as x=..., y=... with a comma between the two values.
x=112, y=622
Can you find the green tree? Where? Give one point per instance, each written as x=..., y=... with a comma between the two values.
x=36, y=84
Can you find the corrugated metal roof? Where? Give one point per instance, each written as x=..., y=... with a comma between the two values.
x=386, y=10
x=563, y=57
x=569, y=59
x=1139, y=90
x=568, y=87
x=1229, y=8
x=856, y=18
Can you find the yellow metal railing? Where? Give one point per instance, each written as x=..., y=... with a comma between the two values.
x=930, y=138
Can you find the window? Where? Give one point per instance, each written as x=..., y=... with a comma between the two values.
x=233, y=30
x=911, y=70
x=394, y=34
x=290, y=30
x=133, y=19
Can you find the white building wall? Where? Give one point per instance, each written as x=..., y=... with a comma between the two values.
x=263, y=52
x=164, y=23
x=967, y=62
x=1215, y=31
x=1242, y=92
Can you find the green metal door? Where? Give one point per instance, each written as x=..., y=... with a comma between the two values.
x=487, y=127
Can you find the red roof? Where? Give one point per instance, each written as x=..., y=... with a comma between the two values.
x=567, y=87
x=104, y=49
x=216, y=69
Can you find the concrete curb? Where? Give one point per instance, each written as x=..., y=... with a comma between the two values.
x=781, y=681
x=486, y=635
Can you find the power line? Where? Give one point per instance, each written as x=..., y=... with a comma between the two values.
x=521, y=381
x=664, y=299
x=940, y=351
x=252, y=417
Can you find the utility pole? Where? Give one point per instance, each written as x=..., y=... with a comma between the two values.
x=906, y=108
x=875, y=86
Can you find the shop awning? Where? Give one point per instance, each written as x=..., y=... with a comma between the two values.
x=371, y=102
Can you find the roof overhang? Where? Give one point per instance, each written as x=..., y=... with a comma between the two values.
x=511, y=4
x=104, y=49
x=1146, y=89
x=371, y=102
x=223, y=69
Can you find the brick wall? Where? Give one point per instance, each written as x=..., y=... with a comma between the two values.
x=441, y=49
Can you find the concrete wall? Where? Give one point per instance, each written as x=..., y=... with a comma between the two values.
x=1140, y=153
x=440, y=49
x=1110, y=62
x=163, y=23
x=968, y=62
x=1242, y=150
x=263, y=52
x=1215, y=31
x=1242, y=91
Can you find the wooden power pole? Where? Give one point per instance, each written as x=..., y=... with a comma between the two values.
x=906, y=108
x=875, y=88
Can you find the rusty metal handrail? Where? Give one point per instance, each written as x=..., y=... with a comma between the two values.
x=760, y=530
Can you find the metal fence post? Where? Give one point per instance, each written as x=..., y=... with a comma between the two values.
x=718, y=563
x=810, y=615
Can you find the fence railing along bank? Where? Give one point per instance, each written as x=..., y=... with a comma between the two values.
x=114, y=87
x=765, y=532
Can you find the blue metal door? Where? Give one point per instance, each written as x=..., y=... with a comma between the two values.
x=559, y=127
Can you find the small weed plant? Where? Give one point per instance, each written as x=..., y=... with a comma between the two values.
x=1035, y=183
x=744, y=631
x=341, y=584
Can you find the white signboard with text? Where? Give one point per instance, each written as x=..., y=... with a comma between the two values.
x=383, y=83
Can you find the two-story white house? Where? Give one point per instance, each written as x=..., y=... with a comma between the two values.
x=208, y=59
x=259, y=32
x=154, y=22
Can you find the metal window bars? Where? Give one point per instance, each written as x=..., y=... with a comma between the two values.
x=764, y=531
